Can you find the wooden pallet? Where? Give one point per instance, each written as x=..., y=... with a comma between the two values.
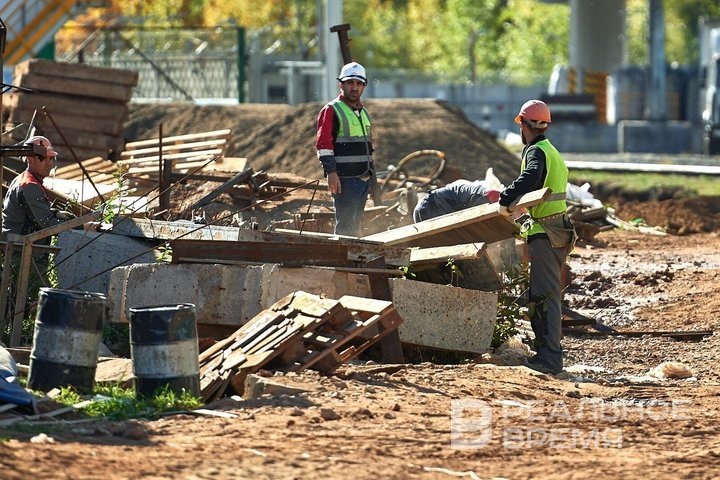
x=300, y=331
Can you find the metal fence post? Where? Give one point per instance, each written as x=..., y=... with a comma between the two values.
x=241, y=64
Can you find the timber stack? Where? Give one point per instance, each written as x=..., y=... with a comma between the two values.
x=89, y=106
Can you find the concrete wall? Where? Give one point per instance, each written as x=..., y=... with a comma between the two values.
x=92, y=253
x=437, y=316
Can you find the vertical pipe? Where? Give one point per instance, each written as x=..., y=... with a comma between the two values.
x=241, y=64
x=333, y=16
x=657, y=95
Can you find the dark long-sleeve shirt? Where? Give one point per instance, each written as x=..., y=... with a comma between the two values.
x=26, y=208
x=532, y=177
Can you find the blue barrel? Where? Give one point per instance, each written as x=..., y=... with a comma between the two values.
x=164, y=349
x=68, y=332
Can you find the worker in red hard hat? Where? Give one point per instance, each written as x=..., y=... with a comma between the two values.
x=549, y=232
x=26, y=207
x=344, y=148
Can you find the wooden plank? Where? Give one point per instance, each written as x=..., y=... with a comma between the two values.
x=435, y=255
x=243, y=176
x=67, y=103
x=380, y=289
x=70, y=119
x=178, y=138
x=371, y=305
x=82, y=139
x=78, y=71
x=430, y=233
x=138, y=155
x=287, y=254
x=178, y=156
x=55, y=84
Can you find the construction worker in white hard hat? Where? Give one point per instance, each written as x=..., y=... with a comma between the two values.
x=26, y=208
x=344, y=148
x=550, y=234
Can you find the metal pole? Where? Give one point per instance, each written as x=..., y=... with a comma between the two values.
x=657, y=98
x=241, y=64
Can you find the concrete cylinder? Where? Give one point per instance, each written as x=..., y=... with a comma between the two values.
x=68, y=332
x=164, y=349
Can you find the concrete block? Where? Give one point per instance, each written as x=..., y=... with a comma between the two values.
x=279, y=282
x=90, y=259
x=257, y=386
x=445, y=317
x=222, y=294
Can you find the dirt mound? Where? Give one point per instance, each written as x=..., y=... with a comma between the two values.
x=678, y=216
x=281, y=138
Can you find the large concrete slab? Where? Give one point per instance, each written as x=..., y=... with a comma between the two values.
x=93, y=255
x=223, y=295
x=445, y=317
x=435, y=315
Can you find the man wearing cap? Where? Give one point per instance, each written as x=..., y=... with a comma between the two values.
x=550, y=234
x=344, y=148
x=26, y=207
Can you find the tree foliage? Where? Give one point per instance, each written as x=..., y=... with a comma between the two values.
x=518, y=41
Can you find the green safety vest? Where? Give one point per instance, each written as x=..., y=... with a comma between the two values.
x=556, y=176
x=353, y=145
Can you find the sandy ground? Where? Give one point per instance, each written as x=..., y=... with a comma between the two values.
x=605, y=418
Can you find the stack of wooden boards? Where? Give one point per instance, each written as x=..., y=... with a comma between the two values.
x=139, y=166
x=89, y=106
x=299, y=331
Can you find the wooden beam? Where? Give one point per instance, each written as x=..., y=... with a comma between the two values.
x=225, y=187
x=428, y=233
x=178, y=138
x=288, y=254
x=467, y=251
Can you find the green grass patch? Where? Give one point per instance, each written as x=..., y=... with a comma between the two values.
x=119, y=403
x=684, y=185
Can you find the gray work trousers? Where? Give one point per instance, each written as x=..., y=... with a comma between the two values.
x=546, y=263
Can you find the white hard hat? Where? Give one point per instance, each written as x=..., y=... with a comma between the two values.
x=43, y=141
x=353, y=71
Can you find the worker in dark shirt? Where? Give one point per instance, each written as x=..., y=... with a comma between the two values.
x=26, y=208
x=455, y=196
x=549, y=233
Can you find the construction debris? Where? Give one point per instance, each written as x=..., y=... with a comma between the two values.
x=298, y=332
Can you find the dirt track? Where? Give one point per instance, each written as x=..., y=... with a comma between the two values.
x=607, y=421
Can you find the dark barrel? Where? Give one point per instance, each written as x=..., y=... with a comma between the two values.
x=68, y=332
x=164, y=348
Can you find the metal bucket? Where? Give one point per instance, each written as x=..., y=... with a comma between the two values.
x=164, y=349
x=68, y=332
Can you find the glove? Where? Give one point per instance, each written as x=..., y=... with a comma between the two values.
x=63, y=215
x=503, y=210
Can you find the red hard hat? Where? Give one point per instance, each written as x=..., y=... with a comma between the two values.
x=534, y=110
x=40, y=140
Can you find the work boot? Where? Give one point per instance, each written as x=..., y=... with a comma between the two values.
x=534, y=363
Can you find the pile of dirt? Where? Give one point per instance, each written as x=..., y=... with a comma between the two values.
x=677, y=216
x=281, y=138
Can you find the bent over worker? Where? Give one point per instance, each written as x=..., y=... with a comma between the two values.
x=344, y=147
x=550, y=233
x=26, y=207
x=455, y=196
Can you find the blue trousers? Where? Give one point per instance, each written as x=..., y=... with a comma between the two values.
x=350, y=204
